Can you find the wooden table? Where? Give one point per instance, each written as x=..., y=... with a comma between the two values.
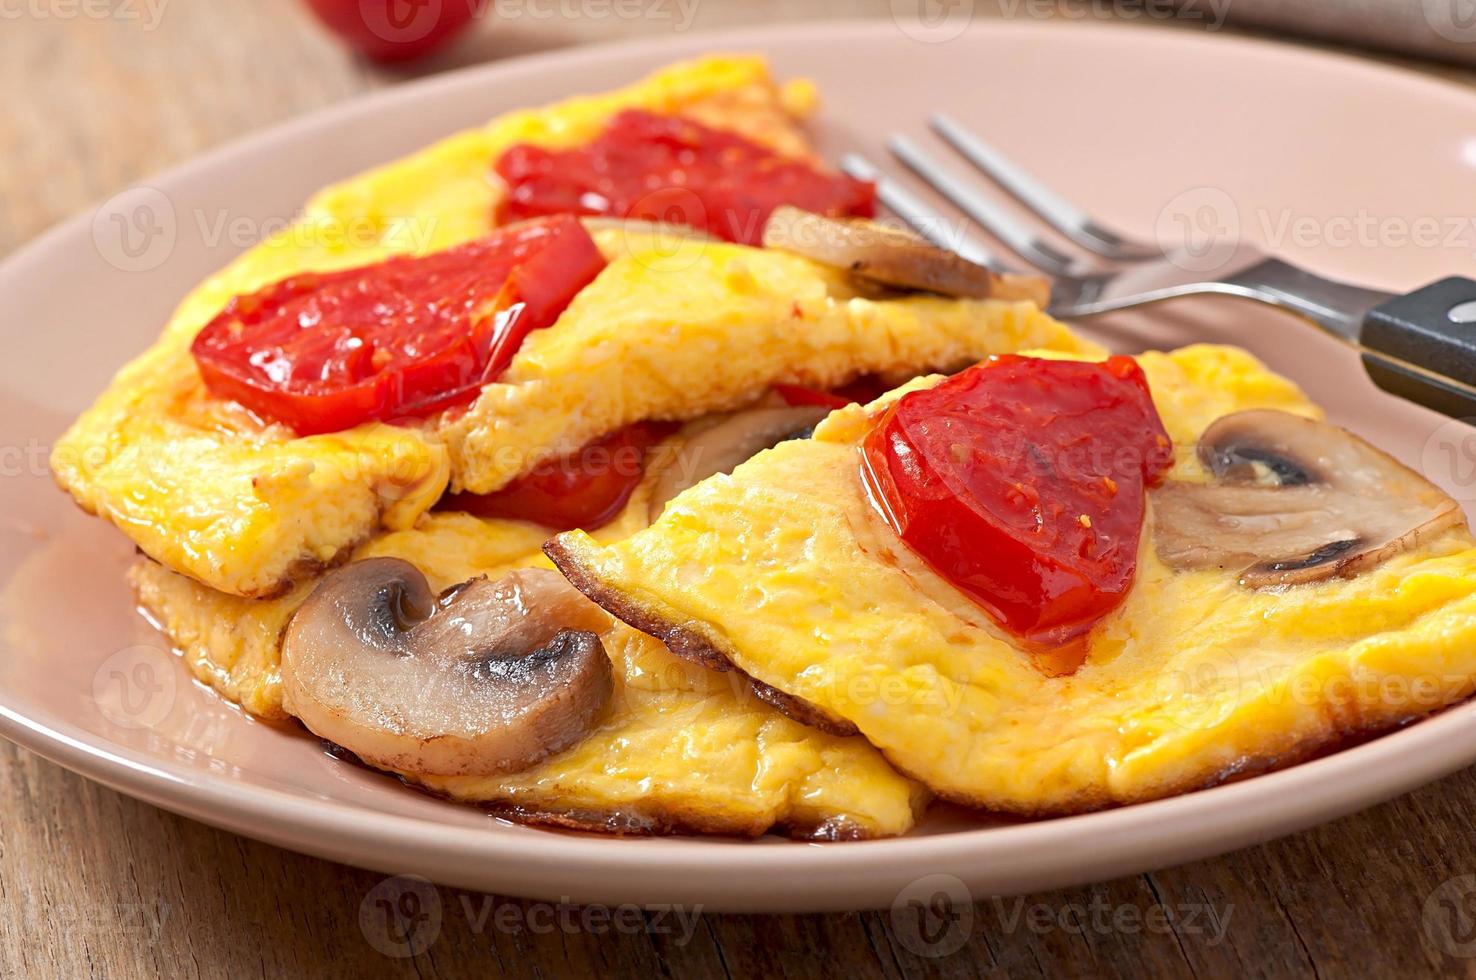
x=92, y=882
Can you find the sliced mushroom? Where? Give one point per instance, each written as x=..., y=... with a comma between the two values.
x=489, y=677
x=894, y=257
x=1295, y=500
x=722, y=447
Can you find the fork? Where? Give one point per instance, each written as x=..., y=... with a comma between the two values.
x=1420, y=346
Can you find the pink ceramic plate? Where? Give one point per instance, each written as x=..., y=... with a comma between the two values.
x=1333, y=162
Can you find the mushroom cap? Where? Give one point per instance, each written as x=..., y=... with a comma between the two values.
x=488, y=677
x=892, y=256
x=1294, y=500
x=720, y=448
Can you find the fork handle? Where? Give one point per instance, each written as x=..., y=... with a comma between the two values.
x=1433, y=332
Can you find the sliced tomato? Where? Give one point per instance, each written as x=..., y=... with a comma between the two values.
x=800, y=395
x=583, y=490
x=403, y=337
x=666, y=168
x=863, y=389
x=1022, y=481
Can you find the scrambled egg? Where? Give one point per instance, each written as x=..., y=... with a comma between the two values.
x=669, y=330
x=680, y=748
x=784, y=569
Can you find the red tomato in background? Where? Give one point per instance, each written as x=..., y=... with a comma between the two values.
x=397, y=30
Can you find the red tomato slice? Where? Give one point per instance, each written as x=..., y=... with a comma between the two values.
x=404, y=337
x=800, y=395
x=1022, y=481
x=665, y=168
x=584, y=490
x=863, y=389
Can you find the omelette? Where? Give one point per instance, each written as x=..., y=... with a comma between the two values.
x=655, y=321
x=677, y=748
x=224, y=491
x=1294, y=588
x=523, y=349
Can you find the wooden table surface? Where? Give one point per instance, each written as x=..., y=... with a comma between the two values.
x=95, y=883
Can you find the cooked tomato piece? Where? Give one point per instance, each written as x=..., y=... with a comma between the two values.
x=863, y=390
x=585, y=490
x=1022, y=481
x=665, y=168
x=800, y=395
x=403, y=337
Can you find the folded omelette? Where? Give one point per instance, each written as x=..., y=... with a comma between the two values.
x=678, y=748
x=677, y=336
x=1294, y=589
x=671, y=329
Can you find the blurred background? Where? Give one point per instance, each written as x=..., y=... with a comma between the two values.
x=103, y=92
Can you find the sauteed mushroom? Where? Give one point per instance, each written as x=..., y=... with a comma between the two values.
x=893, y=257
x=1295, y=500
x=721, y=448
x=488, y=677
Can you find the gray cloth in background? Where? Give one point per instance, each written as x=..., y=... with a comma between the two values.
x=1443, y=29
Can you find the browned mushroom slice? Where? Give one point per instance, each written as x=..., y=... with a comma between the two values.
x=720, y=448
x=1295, y=500
x=488, y=677
x=894, y=257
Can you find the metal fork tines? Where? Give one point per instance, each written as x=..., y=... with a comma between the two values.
x=1117, y=271
x=1418, y=346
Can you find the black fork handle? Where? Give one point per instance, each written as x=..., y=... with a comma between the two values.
x=1428, y=342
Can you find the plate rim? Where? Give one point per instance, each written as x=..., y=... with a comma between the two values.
x=1121, y=837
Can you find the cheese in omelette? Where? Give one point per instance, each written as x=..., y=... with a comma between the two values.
x=671, y=329
x=784, y=569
